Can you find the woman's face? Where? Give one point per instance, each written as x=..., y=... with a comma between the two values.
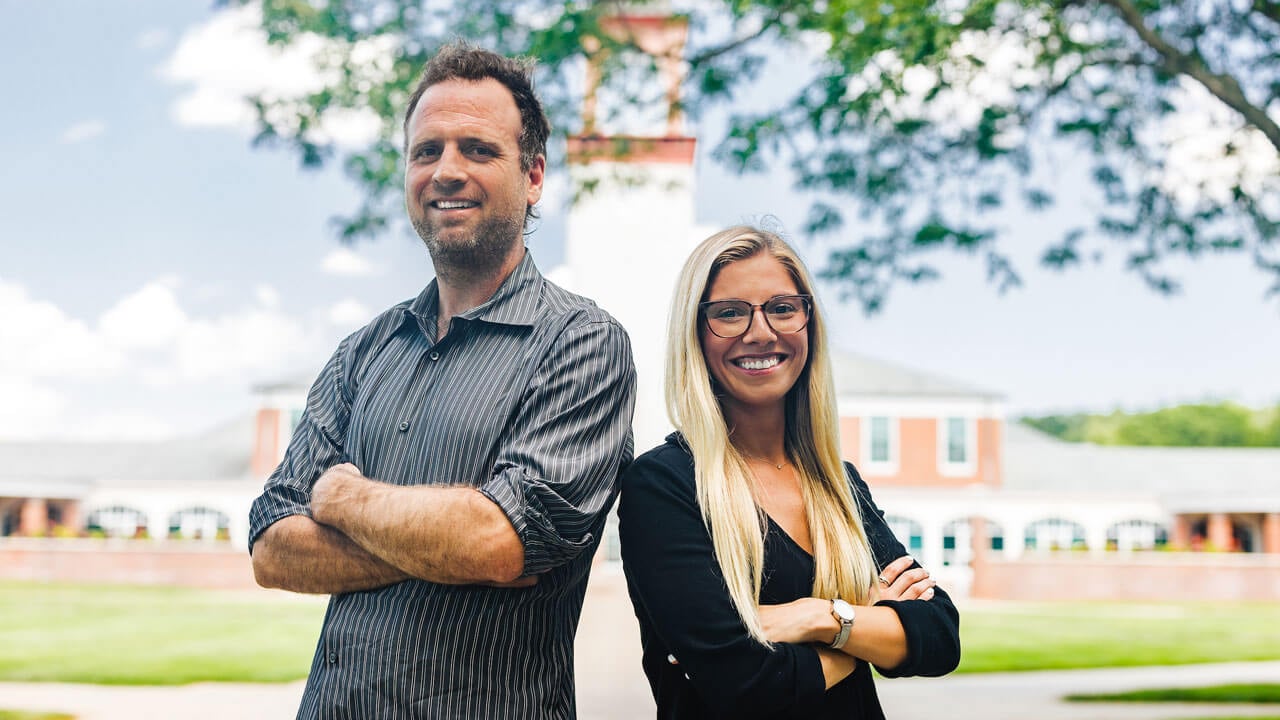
x=758, y=368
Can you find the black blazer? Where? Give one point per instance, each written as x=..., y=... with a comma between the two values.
x=684, y=609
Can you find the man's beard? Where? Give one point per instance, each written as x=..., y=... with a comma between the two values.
x=474, y=256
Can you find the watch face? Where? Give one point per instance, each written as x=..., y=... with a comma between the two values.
x=842, y=609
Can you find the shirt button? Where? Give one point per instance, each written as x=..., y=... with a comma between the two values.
x=333, y=658
x=434, y=356
x=404, y=425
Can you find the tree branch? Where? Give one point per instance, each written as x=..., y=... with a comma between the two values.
x=1222, y=86
x=1268, y=8
x=715, y=52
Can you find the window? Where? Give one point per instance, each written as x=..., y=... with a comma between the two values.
x=1137, y=535
x=880, y=440
x=909, y=532
x=199, y=523
x=957, y=446
x=957, y=451
x=118, y=521
x=1055, y=534
x=957, y=540
x=880, y=445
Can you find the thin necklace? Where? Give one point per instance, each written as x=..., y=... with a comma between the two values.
x=767, y=462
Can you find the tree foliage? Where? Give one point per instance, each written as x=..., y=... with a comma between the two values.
x=926, y=121
x=1202, y=425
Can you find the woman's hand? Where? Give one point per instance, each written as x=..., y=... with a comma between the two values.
x=900, y=581
x=807, y=620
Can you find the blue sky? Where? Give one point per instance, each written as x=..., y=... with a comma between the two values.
x=154, y=267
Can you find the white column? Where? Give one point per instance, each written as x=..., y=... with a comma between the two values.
x=1014, y=539
x=931, y=545
x=1095, y=535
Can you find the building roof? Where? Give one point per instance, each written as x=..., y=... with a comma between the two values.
x=71, y=468
x=1192, y=479
x=859, y=375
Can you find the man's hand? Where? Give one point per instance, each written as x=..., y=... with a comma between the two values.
x=343, y=488
x=896, y=582
x=332, y=490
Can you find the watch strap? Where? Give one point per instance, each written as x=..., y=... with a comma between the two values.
x=846, y=625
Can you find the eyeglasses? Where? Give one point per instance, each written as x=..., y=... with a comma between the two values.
x=784, y=314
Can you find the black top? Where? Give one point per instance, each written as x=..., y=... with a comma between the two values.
x=684, y=609
x=527, y=398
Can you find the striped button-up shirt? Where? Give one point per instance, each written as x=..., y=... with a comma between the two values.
x=528, y=398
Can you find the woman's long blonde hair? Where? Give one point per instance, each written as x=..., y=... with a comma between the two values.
x=843, y=563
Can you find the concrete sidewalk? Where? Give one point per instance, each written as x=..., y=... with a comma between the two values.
x=993, y=696
x=1019, y=696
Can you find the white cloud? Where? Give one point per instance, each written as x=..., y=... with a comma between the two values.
x=349, y=314
x=226, y=59
x=29, y=410
x=82, y=131
x=123, y=425
x=267, y=296
x=148, y=318
x=255, y=341
x=151, y=38
x=347, y=262
x=41, y=341
x=63, y=376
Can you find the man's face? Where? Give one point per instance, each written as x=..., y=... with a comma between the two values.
x=464, y=190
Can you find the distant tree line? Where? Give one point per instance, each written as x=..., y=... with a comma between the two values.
x=1223, y=424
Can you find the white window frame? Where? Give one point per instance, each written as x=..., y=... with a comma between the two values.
x=869, y=466
x=970, y=465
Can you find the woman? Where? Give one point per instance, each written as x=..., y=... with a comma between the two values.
x=752, y=554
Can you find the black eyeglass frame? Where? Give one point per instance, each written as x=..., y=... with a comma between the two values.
x=806, y=301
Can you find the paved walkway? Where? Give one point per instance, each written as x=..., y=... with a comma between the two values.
x=994, y=696
x=1019, y=696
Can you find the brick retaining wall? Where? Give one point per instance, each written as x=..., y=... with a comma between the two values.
x=133, y=562
x=1135, y=576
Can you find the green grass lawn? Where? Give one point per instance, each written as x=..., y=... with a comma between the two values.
x=123, y=635
x=25, y=715
x=167, y=636
x=1239, y=718
x=1039, y=636
x=1237, y=693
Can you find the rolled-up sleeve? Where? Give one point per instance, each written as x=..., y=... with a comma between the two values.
x=556, y=475
x=675, y=581
x=316, y=445
x=932, y=626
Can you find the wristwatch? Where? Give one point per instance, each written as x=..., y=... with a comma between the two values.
x=843, y=613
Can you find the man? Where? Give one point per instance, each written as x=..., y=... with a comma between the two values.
x=450, y=477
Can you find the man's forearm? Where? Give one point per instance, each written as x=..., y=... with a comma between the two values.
x=298, y=554
x=443, y=534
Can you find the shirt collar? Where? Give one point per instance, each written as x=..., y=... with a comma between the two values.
x=515, y=302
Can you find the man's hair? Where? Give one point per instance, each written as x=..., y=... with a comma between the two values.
x=462, y=61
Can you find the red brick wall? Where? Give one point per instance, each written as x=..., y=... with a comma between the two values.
x=851, y=440
x=266, y=443
x=989, y=447
x=918, y=453
x=1140, y=576
x=132, y=562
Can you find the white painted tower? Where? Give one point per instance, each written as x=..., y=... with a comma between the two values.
x=633, y=227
